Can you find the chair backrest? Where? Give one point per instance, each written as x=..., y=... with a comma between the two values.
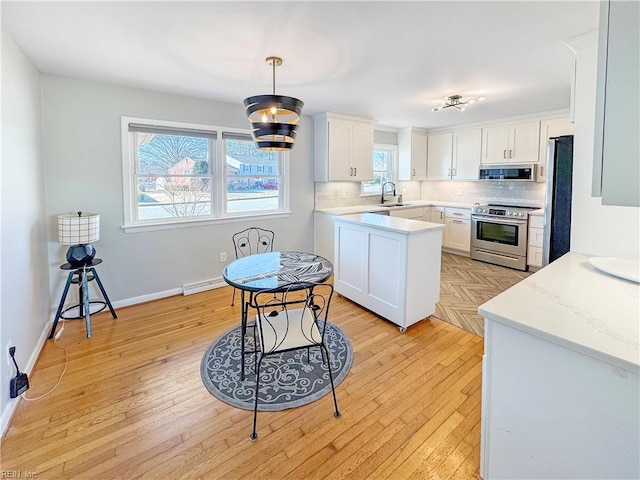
x=295, y=318
x=252, y=240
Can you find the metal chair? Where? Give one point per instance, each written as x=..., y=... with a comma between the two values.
x=296, y=320
x=250, y=241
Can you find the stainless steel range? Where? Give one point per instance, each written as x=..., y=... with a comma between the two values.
x=499, y=234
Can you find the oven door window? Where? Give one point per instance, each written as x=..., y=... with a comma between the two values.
x=498, y=233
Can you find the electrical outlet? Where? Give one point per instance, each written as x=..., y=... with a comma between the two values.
x=9, y=361
x=223, y=257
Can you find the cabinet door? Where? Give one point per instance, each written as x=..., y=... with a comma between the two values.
x=458, y=234
x=524, y=142
x=467, y=149
x=437, y=214
x=495, y=144
x=362, y=152
x=412, y=149
x=351, y=254
x=415, y=213
x=339, y=150
x=550, y=129
x=439, y=155
x=418, y=156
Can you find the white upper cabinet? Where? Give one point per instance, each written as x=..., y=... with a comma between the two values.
x=516, y=143
x=454, y=156
x=439, y=156
x=467, y=149
x=412, y=149
x=550, y=129
x=344, y=148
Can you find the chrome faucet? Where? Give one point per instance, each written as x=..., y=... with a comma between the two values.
x=384, y=185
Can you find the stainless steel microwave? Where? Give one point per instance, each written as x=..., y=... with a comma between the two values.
x=520, y=173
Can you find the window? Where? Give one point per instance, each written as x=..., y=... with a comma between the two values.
x=176, y=174
x=383, y=169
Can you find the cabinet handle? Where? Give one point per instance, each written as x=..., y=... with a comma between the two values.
x=441, y=213
x=457, y=221
x=355, y=171
x=449, y=173
x=457, y=213
x=504, y=154
x=541, y=171
x=413, y=172
x=455, y=172
x=510, y=153
x=351, y=171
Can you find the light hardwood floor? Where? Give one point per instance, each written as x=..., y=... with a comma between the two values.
x=131, y=404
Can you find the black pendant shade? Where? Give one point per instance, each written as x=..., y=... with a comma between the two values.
x=273, y=118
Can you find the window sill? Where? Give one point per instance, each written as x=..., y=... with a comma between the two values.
x=149, y=227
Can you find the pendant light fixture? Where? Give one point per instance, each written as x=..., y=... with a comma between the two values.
x=456, y=101
x=273, y=118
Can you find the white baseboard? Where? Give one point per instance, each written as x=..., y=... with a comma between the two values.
x=12, y=404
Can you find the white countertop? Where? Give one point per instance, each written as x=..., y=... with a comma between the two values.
x=571, y=303
x=376, y=208
x=392, y=224
x=540, y=211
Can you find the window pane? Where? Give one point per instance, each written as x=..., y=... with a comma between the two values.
x=382, y=160
x=172, y=154
x=253, y=177
x=171, y=197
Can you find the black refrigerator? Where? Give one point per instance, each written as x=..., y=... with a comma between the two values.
x=557, y=214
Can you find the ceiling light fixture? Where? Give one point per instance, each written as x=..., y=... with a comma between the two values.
x=273, y=118
x=456, y=101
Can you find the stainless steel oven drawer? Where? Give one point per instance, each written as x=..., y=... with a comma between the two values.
x=512, y=261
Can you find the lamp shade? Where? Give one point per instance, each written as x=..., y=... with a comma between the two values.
x=78, y=228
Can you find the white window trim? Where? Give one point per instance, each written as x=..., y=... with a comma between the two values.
x=218, y=172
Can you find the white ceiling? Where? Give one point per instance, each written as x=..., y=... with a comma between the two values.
x=386, y=60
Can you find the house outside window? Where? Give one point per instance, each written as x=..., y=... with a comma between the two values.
x=384, y=160
x=176, y=174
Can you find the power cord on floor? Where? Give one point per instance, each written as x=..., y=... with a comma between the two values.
x=66, y=364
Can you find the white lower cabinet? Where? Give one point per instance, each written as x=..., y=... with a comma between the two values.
x=437, y=216
x=421, y=213
x=536, y=240
x=457, y=233
x=396, y=274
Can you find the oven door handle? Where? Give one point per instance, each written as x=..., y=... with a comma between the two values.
x=499, y=220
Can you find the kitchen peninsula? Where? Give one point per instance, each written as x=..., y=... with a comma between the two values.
x=560, y=388
x=389, y=265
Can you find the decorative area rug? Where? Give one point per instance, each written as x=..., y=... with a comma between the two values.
x=285, y=382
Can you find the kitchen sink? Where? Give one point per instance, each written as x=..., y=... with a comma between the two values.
x=389, y=205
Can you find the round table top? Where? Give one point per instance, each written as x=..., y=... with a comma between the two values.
x=274, y=269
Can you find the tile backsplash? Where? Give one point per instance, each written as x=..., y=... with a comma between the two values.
x=330, y=194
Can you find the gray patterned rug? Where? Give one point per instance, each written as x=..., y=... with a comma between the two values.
x=285, y=382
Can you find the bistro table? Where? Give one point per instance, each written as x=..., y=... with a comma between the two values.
x=271, y=270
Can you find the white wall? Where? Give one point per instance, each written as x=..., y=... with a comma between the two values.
x=24, y=279
x=82, y=152
x=595, y=229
